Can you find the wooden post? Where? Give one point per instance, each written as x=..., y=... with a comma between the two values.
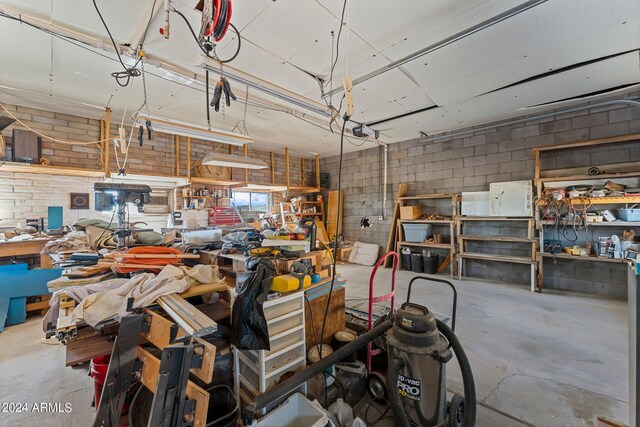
x=273, y=168
x=101, y=144
x=286, y=165
x=188, y=157
x=177, y=140
x=107, y=136
x=302, y=169
x=245, y=148
x=318, y=170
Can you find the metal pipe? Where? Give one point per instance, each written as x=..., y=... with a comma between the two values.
x=442, y=43
x=306, y=374
x=449, y=135
x=384, y=186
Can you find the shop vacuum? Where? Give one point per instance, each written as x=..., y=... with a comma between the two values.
x=418, y=348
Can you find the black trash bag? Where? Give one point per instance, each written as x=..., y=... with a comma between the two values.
x=248, y=324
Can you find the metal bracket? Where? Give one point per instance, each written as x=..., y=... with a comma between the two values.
x=120, y=373
x=170, y=407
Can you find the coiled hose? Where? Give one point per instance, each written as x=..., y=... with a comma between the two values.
x=396, y=365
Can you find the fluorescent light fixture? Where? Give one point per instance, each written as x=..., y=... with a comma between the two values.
x=229, y=160
x=150, y=180
x=262, y=187
x=176, y=127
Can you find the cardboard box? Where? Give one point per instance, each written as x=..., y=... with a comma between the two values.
x=410, y=212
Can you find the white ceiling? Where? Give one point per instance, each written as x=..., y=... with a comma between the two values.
x=284, y=41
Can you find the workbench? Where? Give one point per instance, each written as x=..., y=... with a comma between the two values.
x=31, y=247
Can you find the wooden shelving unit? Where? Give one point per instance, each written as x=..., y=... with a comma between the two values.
x=540, y=182
x=450, y=246
x=313, y=209
x=464, y=239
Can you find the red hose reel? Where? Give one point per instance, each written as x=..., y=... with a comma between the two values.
x=217, y=24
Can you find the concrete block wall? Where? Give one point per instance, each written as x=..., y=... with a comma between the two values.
x=470, y=163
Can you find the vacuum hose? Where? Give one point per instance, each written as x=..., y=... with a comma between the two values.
x=396, y=365
x=467, y=375
x=402, y=419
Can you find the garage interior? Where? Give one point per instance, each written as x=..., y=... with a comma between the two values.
x=323, y=212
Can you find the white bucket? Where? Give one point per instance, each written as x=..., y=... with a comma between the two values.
x=296, y=411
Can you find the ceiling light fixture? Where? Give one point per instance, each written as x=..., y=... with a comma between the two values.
x=176, y=127
x=262, y=187
x=231, y=161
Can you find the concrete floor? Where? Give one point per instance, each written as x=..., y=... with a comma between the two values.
x=550, y=359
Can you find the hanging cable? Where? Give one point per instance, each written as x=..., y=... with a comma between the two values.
x=336, y=240
x=335, y=61
x=123, y=78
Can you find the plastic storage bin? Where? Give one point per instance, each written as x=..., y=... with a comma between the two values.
x=296, y=411
x=629, y=214
x=416, y=263
x=430, y=264
x=416, y=233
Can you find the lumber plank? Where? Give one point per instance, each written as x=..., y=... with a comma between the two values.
x=160, y=335
x=391, y=241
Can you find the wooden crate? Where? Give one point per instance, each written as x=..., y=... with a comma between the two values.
x=411, y=212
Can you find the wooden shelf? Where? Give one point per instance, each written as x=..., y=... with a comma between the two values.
x=305, y=189
x=497, y=239
x=431, y=196
x=588, y=177
x=615, y=200
x=491, y=218
x=598, y=224
x=500, y=258
x=51, y=170
x=211, y=181
x=583, y=258
x=425, y=221
x=426, y=245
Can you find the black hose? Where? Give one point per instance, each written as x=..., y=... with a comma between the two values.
x=467, y=375
x=402, y=420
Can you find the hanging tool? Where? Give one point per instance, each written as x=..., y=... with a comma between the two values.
x=140, y=135
x=222, y=86
x=217, y=94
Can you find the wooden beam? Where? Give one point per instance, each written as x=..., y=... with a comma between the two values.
x=177, y=140
x=273, y=168
x=188, y=157
x=302, y=169
x=286, y=165
x=318, y=170
x=107, y=135
x=245, y=149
